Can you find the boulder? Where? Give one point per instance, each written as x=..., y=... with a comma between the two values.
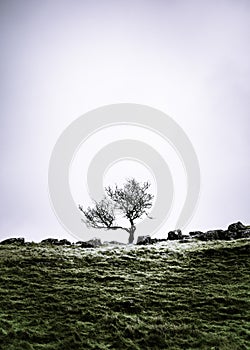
x=86, y=245
x=92, y=243
x=215, y=235
x=161, y=240
x=20, y=241
x=175, y=235
x=64, y=242
x=196, y=233
x=51, y=241
x=95, y=242
x=226, y=235
x=237, y=226
x=243, y=234
x=211, y=235
x=113, y=243
x=223, y=235
x=144, y=240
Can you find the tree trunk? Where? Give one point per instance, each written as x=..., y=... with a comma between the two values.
x=131, y=234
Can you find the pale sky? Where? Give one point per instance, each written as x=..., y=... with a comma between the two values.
x=61, y=59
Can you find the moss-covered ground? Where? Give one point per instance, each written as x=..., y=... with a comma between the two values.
x=165, y=296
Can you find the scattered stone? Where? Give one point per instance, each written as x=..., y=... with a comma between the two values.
x=162, y=240
x=243, y=234
x=237, y=226
x=86, y=245
x=113, y=243
x=234, y=231
x=186, y=236
x=51, y=241
x=64, y=242
x=209, y=235
x=214, y=235
x=92, y=243
x=145, y=240
x=196, y=233
x=175, y=235
x=96, y=242
x=20, y=241
x=142, y=238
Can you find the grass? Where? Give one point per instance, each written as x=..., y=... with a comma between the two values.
x=165, y=296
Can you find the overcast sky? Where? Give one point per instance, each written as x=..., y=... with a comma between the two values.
x=60, y=59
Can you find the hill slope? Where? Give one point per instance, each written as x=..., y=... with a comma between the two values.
x=166, y=296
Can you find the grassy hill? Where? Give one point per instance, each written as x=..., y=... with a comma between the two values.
x=163, y=296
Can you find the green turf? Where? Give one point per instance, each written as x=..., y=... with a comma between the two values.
x=168, y=296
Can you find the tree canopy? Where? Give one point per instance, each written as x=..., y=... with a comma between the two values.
x=132, y=201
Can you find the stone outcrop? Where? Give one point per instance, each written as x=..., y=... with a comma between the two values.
x=64, y=242
x=145, y=240
x=235, y=231
x=51, y=241
x=19, y=241
x=96, y=242
x=238, y=226
x=195, y=233
x=55, y=241
x=175, y=235
x=92, y=243
x=86, y=245
x=113, y=243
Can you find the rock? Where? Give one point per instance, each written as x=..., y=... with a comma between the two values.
x=237, y=226
x=113, y=243
x=243, y=234
x=92, y=243
x=86, y=245
x=229, y=235
x=186, y=236
x=236, y=232
x=211, y=235
x=64, y=242
x=51, y=241
x=175, y=235
x=20, y=241
x=196, y=233
x=144, y=240
x=96, y=242
x=215, y=235
x=162, y=240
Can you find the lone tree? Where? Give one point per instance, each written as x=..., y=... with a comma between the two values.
x=132, y=201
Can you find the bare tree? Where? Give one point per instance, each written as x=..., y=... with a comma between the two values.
x=132, y=201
